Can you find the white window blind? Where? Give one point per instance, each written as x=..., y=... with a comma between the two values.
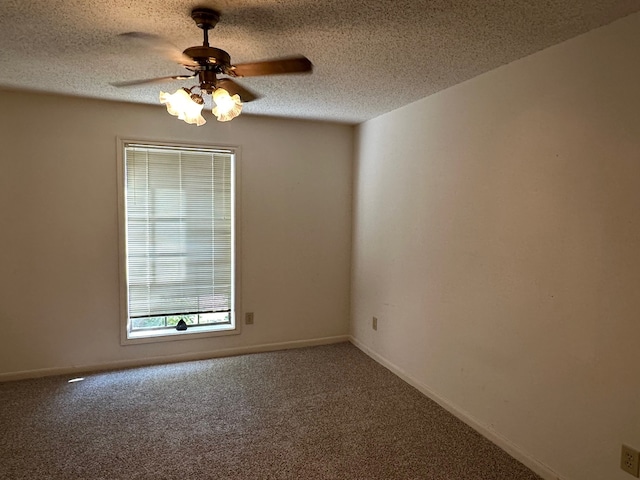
x=179, y=230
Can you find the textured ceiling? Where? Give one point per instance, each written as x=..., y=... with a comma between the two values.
x=369, y=56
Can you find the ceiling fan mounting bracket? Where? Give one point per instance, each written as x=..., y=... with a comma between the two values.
x=205, y=18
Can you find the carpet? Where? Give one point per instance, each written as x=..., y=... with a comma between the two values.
x=327, y=412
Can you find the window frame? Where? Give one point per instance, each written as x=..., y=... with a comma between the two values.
x=126, y=338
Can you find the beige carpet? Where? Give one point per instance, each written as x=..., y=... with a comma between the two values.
x=325, y=412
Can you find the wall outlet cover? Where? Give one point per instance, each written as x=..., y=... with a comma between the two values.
x=630, y=461
x=248, y=318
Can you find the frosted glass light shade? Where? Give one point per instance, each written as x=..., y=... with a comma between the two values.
x=181, y=105
x=227, y=107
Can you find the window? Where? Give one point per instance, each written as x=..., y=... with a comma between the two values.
x=178, y=239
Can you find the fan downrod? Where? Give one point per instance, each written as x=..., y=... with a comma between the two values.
x=205, y=18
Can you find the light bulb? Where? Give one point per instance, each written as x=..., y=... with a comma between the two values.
x=227, y=107
x=176, y=102
x=184, y=105
x=193, y=111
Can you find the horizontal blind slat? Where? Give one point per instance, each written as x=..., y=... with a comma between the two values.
x=179, y=230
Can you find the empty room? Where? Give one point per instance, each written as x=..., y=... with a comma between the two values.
x=357, y=240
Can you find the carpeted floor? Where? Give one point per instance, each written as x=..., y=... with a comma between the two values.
x=326, y=412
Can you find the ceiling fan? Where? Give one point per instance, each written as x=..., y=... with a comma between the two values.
x=206, y=63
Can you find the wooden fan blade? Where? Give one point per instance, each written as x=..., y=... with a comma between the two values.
x=162, y=46
x=131, y=83
x=234, y=88
x=272, y=67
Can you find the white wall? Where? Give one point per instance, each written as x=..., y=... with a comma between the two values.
x=497, y=240
x=59, y=288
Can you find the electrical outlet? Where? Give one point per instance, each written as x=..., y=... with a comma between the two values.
x=374, y=323
x=630, y=461
x=248, y=318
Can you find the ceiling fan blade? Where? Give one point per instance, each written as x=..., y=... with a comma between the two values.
x=163, y=46
x=280, y=66
x=235, y=88
x=131, y=83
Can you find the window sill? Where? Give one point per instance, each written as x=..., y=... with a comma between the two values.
x=172, y=335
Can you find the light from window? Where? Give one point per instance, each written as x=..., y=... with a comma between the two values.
x=179, y=235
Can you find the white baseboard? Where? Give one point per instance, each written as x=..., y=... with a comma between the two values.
x=186, y=357
x=512, y=449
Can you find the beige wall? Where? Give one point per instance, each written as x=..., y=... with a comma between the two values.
x=59, y=289
x=497, y=240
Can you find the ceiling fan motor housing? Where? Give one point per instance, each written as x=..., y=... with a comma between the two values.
x=209, y=56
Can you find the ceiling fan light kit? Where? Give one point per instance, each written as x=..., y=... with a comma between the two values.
x=188, y=106
x=184, y=105
x=227, y=106
x=207, y=63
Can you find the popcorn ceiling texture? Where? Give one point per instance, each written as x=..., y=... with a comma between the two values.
x=370, y=56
